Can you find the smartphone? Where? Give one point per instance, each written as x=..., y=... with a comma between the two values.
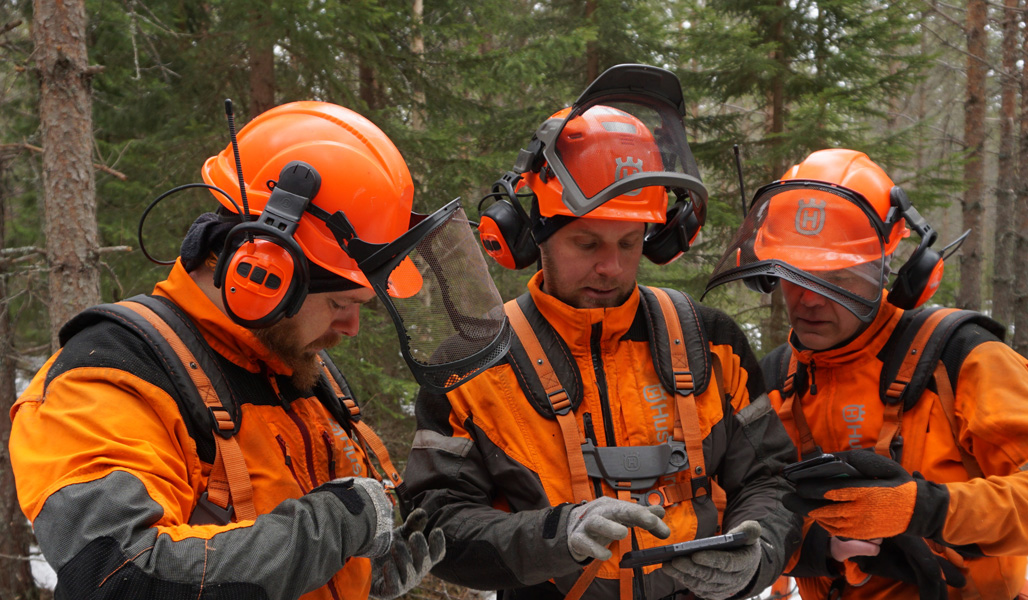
x=661, y=554
x=819, y=467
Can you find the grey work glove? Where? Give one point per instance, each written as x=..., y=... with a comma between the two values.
x=383, y=539
x=409, y=559
x=719, y=574
x=594, y=525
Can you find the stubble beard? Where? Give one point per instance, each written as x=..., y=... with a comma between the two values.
x=303, y=360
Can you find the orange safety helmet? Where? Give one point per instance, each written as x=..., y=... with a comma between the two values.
x=598, y=147
x=856, y=172
x=362, y=175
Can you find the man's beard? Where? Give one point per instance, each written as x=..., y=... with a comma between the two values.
x=279, y=338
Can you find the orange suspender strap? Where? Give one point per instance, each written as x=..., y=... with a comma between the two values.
x=585, y=579
x=229, y=479
x=893, y=417
x=625, y=546
x=688, y=423
x=366, y=436
x=559, y=401
x=948, y=401
x=792, y=406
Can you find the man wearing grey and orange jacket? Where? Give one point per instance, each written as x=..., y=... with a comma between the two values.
x=934, y=427
x=122, y=452
x=529, y=483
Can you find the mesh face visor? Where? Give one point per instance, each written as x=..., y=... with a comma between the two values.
x=453, y=327
x=624, y=133
x=817, y=236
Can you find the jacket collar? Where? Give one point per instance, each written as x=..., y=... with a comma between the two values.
x=575, y=325
x=227, y=338
x=863, y=347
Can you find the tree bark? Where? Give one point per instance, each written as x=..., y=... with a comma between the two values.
x=1003, y=261
x=1020, y=341
x=261, y=62
x=16, y=536
x=592, y=55
x=69, y=187
x=970, y=294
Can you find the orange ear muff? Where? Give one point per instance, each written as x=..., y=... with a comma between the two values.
x=262, y=279
x=507, y=237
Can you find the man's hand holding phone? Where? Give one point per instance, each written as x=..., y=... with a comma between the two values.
x=719, y=574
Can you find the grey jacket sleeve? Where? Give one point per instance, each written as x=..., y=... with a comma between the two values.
x=457, y=480
x=99, y=536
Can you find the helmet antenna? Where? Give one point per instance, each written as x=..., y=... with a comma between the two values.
x=239, y=162
x=742, y=186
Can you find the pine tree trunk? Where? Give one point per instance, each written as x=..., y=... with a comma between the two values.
x=970, y=295
x=1003, y=262
x=16, y=537
x=776, y=329
x=69, y=188
x=1020, y=341
x=260, y=53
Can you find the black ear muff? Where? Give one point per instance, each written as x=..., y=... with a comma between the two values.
x=505, y=229
x=919, y=277
x=664, y=242
x=917, y=280
x=262, y=272
x=762, y=284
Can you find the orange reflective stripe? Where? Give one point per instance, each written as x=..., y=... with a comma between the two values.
x=558, y=398
x=229, y=477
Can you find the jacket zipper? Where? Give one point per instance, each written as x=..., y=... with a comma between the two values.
x=330, y=448
x=813, y=378
x=590, y=433
x=601, y=384
x=289, y=461
x=305, y=434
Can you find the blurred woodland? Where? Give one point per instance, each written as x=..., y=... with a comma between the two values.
x=105, y=104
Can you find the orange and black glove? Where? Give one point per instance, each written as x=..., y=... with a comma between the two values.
x=882, y=502
x=908, y=558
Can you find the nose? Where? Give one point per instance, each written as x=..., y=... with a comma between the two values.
x=610, y=263
x=811, y=298
x=347, y=320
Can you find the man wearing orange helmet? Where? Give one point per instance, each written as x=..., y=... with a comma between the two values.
x=623, y=417
x=925, y=492
x=199, y=442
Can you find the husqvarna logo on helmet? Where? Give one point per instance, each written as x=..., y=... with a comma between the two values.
x=624, y=168
x=810, y=217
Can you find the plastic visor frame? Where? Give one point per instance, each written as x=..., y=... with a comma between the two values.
x=636, y=84
x=781, y=270
x=378, y=261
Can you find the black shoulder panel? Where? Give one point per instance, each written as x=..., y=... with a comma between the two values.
x=775, y=365
x=722, y=330
x=556, y=351
x=952, y=339
x=695, y=338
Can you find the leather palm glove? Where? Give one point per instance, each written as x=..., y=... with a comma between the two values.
x=409, y=559
x=908, y=558
x=719, y=574
x=883, y=502
x=592, y=526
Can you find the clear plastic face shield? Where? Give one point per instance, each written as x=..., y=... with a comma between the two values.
x=624, y=133
x=453, y=326
x=814, y=235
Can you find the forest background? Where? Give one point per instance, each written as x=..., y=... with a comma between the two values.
x=104, y=104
